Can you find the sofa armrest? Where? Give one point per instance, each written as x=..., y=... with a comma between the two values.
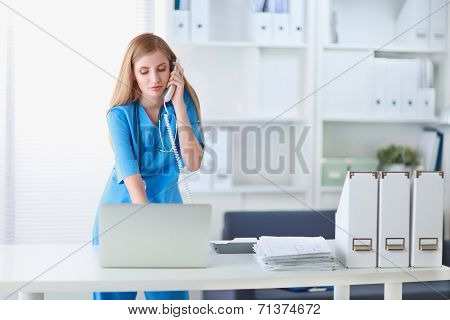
x=446, y=253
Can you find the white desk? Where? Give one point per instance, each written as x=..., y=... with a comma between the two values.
x=80, y=272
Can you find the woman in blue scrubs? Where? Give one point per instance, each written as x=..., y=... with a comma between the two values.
x=148, y=68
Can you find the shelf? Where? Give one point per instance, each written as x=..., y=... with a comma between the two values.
x=252, y=189
x=241, y=44
x=227, y=120
x=393, y=49
x=433, y=120
x=345, y=47
x=331, y=189
x=409, y=50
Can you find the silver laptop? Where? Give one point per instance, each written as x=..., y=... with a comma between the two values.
x=157, y=235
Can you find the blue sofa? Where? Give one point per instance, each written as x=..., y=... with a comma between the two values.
x=310, y=224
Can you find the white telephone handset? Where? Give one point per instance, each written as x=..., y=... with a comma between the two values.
x=167, y=97
x=169, y=93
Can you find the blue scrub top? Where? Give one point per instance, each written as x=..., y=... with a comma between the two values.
x=158, y=169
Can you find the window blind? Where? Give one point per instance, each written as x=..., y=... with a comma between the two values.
x=6, y=96
x=65, y=63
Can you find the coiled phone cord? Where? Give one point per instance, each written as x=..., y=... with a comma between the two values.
x=177, y=156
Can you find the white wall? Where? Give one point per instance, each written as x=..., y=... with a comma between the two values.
x=66, y=57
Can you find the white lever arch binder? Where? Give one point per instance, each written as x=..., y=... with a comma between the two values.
x=393, y=219
x=356, y=221
x=427, y=218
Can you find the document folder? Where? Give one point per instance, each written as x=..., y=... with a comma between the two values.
x=200, y=20
x=280, y=24
x=426, y=102
x=356, y=220
x=393, y=219
x=181, y=30
x=262, y=23
x=410, y=86
x=438, y=25
x=394, y=87
x=413, y=25
x=427, y=218
x=297, y=12
x=379, y=92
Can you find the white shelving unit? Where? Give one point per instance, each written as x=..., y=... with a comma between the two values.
x=240, y=81
x=345, y=125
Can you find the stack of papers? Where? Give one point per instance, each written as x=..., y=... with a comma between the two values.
x=294, y=253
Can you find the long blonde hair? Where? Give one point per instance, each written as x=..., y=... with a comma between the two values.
x=126, y=89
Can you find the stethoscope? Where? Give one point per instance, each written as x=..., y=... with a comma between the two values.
x=172, y=142
x=164, y=149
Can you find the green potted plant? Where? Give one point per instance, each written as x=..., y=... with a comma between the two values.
x=397, y=158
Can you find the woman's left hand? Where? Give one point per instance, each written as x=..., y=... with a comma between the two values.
x=177, y=79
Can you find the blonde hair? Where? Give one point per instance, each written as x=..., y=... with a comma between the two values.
x=126, y=89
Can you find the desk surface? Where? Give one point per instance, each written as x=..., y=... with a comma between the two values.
x=67, y=268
